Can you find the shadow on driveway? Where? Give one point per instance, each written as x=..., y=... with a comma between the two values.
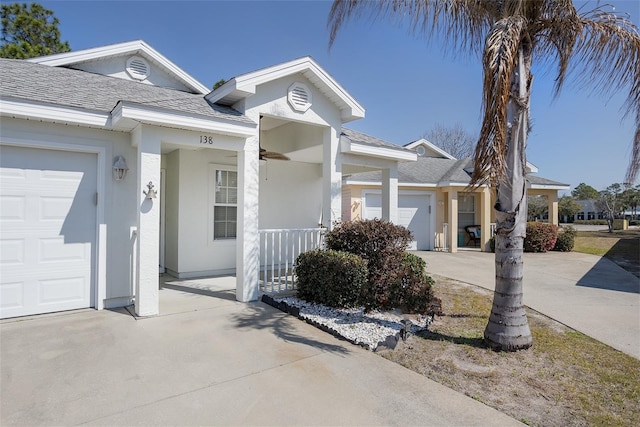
x=261, y=316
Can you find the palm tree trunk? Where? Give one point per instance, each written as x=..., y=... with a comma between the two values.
x=508, y=328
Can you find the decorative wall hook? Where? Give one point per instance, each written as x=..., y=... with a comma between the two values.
x=150, y=193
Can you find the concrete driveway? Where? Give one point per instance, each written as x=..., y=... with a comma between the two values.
x=209, y=361
x=586, y=292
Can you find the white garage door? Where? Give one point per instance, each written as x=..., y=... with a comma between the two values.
x=47, y=230
x=413, y=213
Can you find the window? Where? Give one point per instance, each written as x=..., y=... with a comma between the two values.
x=225, y=205
x=591, y=215
x=581, y=215
x=466, y=211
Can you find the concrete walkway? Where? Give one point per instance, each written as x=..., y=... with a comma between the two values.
x=586, y=292
x=226, y=363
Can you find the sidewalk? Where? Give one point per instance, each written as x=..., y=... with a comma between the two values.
x=586, y=292
x=212, y=361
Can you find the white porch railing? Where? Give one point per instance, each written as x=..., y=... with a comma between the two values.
x=492, y=229
x=279, y=249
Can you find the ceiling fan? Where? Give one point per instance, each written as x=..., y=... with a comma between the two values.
x=270, y=155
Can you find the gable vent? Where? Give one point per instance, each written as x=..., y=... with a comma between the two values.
x=299, y=97
x=138, y=68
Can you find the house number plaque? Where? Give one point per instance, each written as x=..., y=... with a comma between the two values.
x=206, y=139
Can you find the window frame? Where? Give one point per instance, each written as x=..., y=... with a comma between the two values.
x=211, y=188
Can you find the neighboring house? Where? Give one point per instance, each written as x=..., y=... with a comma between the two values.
x=433, y=200
x=115, y=164
x=589, y=210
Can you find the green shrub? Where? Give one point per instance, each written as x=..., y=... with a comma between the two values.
x=331, y=278
x=634, y=222
x=492, y=243
x=541, y=237
x=413, y=292
x=382, y=244
x=566, y=239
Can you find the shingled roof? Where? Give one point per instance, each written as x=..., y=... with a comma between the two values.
x=363, y=138
x=67, y=87
x=436, y=171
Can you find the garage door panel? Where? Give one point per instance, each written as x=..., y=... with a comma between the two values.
x=12, y=295
x=413, y=213
x=68, y=290
x=12, y=208
x=47, y=230
x=54, y=249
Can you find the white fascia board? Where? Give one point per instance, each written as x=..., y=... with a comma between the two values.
x=549, y=187
x=52, y=113
x=246, y=84
x=532, y=168
x=132, y=47
x=455, y=184
x=386, y=153
x=400, y=184
x=166, y=118
x=431, y=146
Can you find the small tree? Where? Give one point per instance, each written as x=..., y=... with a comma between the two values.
x=632, y=200
x=455, y=140
x=568, y=207
x=28, y=31
x=537, y=207
x=584, y=192
x=610, y=201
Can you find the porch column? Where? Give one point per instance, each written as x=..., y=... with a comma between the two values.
x=148, y=239
x=453, y=220
x=390, y=194
x=247, y=237
x=485, y=219
x=552, y=201
x=331, y=178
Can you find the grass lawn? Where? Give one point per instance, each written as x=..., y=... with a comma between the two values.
x=621, y=247
x=565, y=379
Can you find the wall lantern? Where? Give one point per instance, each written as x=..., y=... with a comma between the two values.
x=150, y=192
x=119, y=168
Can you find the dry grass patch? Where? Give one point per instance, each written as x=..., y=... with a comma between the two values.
x=565, y=379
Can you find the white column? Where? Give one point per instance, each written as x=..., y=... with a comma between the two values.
x=552, y=201
x=485, y=219
x=453, y=221
x=247, y=237
x=390, y=194
x=148, y=240
x=331, y=178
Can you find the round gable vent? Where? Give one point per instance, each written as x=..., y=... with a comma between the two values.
x=138, y=68
x=299, y=97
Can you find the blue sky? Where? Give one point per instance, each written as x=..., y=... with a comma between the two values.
x=405, y=84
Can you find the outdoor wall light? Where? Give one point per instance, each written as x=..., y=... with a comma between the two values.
x=119, y=168
x=150, y=192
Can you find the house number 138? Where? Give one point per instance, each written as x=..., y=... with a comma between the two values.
x=204, y=139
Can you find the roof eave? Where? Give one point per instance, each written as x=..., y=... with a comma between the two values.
x=245, y=85
x=136, y=46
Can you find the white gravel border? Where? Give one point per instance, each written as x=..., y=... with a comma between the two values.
x=366, y=329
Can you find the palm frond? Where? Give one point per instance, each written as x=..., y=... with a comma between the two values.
x=634, y=161
x=462, y=23
x=499, y=62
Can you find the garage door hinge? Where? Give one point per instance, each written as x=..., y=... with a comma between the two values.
x=95, y=199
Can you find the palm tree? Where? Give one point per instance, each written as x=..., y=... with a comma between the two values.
x=602, y=49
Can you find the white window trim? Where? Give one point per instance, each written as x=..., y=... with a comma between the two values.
x=213, y=167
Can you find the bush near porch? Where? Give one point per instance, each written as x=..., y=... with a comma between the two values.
x=395, y=278
x=543, y=237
